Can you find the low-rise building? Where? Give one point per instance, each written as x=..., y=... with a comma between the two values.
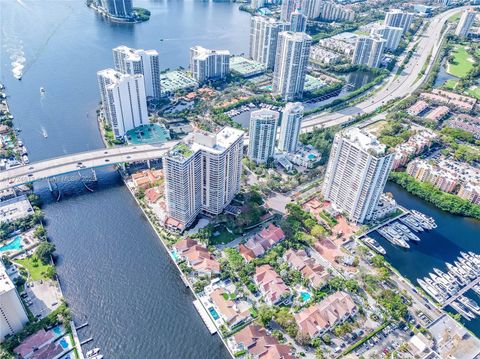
x=15, y=208
x=385, y=207
x=325, y=56
x=467, y=123
x=322, y=317
x=417, y=108
x=257, y=245
x=451, y=99
x=314, y=272
x=232, y=312
x=260, y=344
x=416, y=144
x=470, y=192
x=437, y=114
x=147, y=178
x=271, y=285
x=197, y=257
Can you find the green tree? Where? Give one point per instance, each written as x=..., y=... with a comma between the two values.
x=44, y=251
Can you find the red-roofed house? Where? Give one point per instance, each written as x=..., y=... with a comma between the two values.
x=153, y=194
x=197, y=256
x=271, y=285
x=261, y=345
x=34, y=342
x=310, y=269
x=323, y=316
x=232, y=312
x=261, y=242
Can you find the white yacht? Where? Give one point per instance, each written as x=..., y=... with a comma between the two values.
x=470, y=304
x=373, y=244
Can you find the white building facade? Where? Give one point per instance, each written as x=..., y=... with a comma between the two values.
x=399, y=18
x=391, y=35
x=124, y=100
x=465, y=23
x=290, y=127
x=356, y=174
x=262, y=135
x=368, y=51
x=288, y=7
x=298, y=21
x=264, y=38
x=12, y=313
x=206, y=64
x=202, y=174
x=140, y=62
x=291, y=60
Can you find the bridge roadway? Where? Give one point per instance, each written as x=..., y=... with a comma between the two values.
x=396, y=86
x=47, y=169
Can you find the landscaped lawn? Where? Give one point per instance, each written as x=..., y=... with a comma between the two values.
x=455, y=17
x=463, y=62
x=220, y=235
x=35, y=267
x=450, y=84
x=474, y=91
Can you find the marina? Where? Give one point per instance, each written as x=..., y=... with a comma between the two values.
x=448, y=288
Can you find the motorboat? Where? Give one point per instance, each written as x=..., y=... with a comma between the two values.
x=470, y=304
x=42, y=90
x=373, y=244
x=92, y=352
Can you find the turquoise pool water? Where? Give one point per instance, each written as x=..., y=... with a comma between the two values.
x=151, y=133
x=305, y=296
x=15, y=244
x=175, y=256
x=214, y=313
x=64, y=343
x=57, y=330
x=311, y=156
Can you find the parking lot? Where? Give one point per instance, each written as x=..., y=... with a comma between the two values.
x=42, y=297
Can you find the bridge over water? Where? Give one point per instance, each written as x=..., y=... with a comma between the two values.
x=47, y=169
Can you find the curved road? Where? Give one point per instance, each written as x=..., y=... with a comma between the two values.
x=396, y=86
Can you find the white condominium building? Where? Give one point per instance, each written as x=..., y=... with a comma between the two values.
x=139, y=61
x=312, y=8
x=334, y=12
x=12, y=313
x=356, y=174
x=392, y=36
x=206, y=64
x=264, y=37
x=290, y=128
x=399, y=18
x=288, y=7
x=368, y=51
x=124, y=100
x=202, y=174
x=465, y=23
x=293, y=50
x=298, y=21
x=262, y=135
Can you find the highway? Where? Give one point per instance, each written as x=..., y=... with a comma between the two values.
x=396, y=86
x=80, y=161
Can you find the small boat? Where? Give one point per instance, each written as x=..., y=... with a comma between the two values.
x=373, y=244
x=42, y=90
x=99, y=356
x=44, y=132
x=92, y=352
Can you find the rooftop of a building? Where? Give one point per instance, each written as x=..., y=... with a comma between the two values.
x=6, y=283
x=313, y=83
x=246, y=67
x=203, y=53
x=115, y=77
x=147, y=134
x=134, y=54
x=15, y=208
x=364, y=140
x=176, y=80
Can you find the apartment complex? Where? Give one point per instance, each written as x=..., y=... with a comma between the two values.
x=368, y=51
x=356, y=174
x=264, y=37
x=465, y=23
x=12, y=313
x=288, y=7
x=206, y=64
x=139, y=61
x=399, y=18
x=391, y=35
x=290, y=128
x=298, y=21
x=124, y=100
x=293, y=50
x=334, y=12
x=202, y=174
x=121, y=9
x=312, y=8
x=262, y=132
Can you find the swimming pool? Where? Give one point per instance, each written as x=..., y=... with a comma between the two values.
x=214, y=313
x=148, y=133
x=64, y=343
x=175, y=255
x=57, y=330
x=15, y=244
x=305, y=296
x=311, y=156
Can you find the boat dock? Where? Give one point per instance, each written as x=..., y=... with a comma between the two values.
x=469, y=286
x=78, y=346
x=383, y=224
x=205, y=317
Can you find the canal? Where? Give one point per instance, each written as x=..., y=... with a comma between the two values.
x=114, y=272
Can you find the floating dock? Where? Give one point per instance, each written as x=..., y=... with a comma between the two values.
x=205, y=317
